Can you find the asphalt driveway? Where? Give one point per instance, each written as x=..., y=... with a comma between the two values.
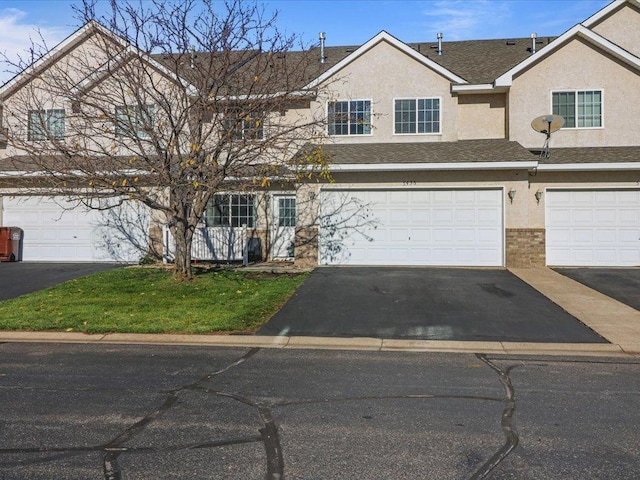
x=19, y=278
x=425, y=304
x=622, y=284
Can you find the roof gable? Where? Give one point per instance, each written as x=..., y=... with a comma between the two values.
x=578, y=31
x=403, y=47
x=606, y=11
x=77, y=38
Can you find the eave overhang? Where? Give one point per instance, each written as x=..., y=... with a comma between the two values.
x=411, y=167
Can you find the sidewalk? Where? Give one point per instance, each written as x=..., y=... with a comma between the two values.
x=618, y=323
x=613, y=320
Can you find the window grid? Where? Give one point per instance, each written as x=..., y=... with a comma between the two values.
x=581, y=109
x=134, y=121
x=349, y=117
x=421, y=115
x=246, y=126
x=233, y=210
x=286, y=212
x=43, y=124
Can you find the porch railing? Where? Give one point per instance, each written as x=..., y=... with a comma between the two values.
x=220, y=244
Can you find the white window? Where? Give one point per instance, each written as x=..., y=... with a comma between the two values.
x=134, y=121
x=245, y=126
x=349, y=117
x=230, y=210
x=417, y=115
x=580, y=108
x=44, y=124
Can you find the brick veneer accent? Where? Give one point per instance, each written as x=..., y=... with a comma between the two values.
x=525, y=247
x=306, y=249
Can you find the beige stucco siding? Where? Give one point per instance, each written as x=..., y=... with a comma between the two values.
x=577, y=66
x=481, y=116
x=622, y=28
x=382, y=75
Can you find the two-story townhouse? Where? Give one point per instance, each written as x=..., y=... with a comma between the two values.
x=435, y=162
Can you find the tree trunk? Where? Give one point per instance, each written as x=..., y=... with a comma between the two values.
x=183, y=238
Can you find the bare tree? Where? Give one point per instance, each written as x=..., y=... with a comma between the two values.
x=166, y=103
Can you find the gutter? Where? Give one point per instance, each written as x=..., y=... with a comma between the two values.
x=409, y=167
x=588, y=167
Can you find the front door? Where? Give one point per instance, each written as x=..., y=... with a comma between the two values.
x=284, y=227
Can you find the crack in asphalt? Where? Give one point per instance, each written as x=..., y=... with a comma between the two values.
x=269, y=434
x=111, y=468
x=510, y=433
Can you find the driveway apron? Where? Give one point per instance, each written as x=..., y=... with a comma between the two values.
x=425, y=304
x=622, y=284
x=24, y=277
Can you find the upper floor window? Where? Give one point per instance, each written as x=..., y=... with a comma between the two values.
x=246, y=126
x=417, y=115
x=44, y=124
x=230, y=210
x=134, y=121
x=349, y=117
x=580, y=109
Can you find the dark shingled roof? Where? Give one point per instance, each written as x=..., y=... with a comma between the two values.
x=462, y=151
x=477, y=61
x=481, y=61
x=592, y=155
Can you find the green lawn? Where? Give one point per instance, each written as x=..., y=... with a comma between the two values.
x=149, y=300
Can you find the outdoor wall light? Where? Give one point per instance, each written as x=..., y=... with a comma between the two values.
x=538, y=195
x=511, y=194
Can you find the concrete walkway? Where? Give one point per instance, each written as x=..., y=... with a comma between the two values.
x=613, y=320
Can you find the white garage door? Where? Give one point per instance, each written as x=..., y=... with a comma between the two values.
x=411, y=227
x=60, y=231
x=593, y=227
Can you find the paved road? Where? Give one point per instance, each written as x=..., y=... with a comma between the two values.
x=622, y=284
x=19, y=278
x=140, y=412
x=425, y=304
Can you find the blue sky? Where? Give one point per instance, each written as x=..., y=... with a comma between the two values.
x=346, y=22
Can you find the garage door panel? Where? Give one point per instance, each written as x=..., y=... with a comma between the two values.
x=466, y=216
x=629, y=216
x=58, y=230
x=593, y=228
x=400, y=235
x=420, y=216
x=431, y=227
x=442, y=216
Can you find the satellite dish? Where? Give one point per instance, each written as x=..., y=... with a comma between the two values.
x=547, y=124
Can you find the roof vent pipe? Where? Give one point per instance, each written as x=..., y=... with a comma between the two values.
x=533, y=42
x=323, y=37
x=439, y=51
x=192, y=56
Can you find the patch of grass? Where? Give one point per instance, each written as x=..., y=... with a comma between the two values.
x=149, y=300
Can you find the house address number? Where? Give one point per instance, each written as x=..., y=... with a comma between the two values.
x=408, y=183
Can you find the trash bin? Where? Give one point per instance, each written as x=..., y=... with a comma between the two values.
x=10, y=244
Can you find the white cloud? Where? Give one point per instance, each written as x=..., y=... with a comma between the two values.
x=463, y=19
x=17, y=35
